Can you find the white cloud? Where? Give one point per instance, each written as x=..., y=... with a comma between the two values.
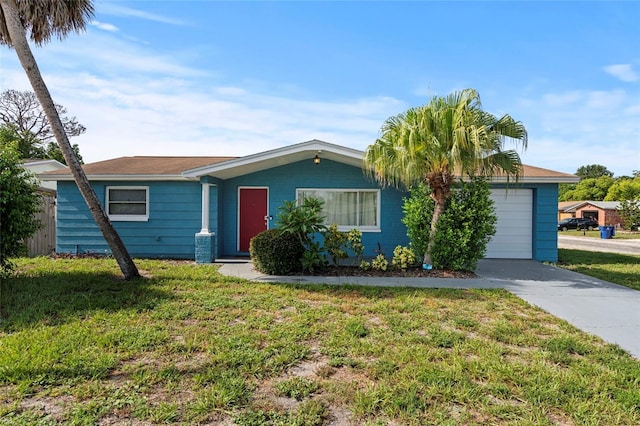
x=575, y=128
x=104, y=54
x=136, y=102
x=104, y=26
x=110, y=8
x=623, y=72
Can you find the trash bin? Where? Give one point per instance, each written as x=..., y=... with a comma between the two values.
x=606, y=232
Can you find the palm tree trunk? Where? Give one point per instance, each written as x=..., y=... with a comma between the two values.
x=438, y=209
x=440, y=184
x=19, y=42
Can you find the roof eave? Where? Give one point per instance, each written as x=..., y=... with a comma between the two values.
x=536, y=179
x=278, y=157
x=119, y=178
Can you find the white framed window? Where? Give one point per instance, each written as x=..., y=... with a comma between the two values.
x=348, y=208
x=128, y=203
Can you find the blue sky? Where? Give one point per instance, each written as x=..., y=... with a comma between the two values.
x=235, y=78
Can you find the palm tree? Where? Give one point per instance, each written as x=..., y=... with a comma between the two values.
x=42, y=19
x=450, y=136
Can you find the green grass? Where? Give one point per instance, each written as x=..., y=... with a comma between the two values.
x=623, y=269
x=620, y=235
x=187, y=346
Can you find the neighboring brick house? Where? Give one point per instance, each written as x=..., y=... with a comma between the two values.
x=605, y=212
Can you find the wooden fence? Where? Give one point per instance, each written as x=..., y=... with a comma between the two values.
x=43, y=242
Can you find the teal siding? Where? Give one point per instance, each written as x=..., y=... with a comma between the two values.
x=283, y=181
x=174, y=219
x=175, y=213
x=545, y=222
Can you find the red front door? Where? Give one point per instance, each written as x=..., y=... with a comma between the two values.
x=253, y=212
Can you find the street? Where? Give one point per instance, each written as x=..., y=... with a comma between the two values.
x=595, y=244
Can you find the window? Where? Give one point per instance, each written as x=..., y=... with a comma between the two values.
x=128, y=203
x=348, y=208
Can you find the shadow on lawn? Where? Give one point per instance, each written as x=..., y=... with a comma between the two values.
x=58, y=296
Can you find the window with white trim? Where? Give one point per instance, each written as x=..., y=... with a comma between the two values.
x=128, y=203
x=348, y=208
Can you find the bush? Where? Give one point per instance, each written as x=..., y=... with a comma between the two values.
x=403, y=258
x=313, y=259
x=379, y=263
x=304, y=221
x=464, y=229
x=276, y=253
x=418, y=209
x=335, y=242
x=19, y=204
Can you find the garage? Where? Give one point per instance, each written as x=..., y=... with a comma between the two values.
x=514, y=233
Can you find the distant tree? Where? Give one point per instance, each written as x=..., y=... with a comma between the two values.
x=593, y=171
x=624, y=189
x=635, y=173
x=53, y=152
x=593, y=189
x=19, y=203
x=25, y=143
x=563, y=189
x=41, y=20
x=22, y=111
x=629, y=212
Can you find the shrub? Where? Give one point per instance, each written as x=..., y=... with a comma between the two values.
x=464, y=229
x=276, y=253
x=312, y=258
x=365, y=266
x=403, y=258
x=335, y=242
x=302, y=220
x=379, y=263
x=354, y=242
x=19, y=203
x=418, y=209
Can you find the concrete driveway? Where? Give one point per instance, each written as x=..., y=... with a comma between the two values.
x=607, y=310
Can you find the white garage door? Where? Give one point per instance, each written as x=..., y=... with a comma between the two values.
x=513, y=239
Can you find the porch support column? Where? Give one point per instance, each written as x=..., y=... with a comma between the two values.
x=205, y=240
x=205, y=208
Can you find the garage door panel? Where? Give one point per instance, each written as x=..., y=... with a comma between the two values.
x=514, y=230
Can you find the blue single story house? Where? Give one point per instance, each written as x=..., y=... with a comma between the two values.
x=204, y=208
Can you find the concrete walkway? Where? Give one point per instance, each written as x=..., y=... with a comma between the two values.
x=607, y=310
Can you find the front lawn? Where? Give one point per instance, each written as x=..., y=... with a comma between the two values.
x=189, y=346
x=623, y=269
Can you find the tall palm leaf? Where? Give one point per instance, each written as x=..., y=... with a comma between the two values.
x=43, y=19
x=450, y=136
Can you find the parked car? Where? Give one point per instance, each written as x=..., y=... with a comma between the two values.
x=577, y=223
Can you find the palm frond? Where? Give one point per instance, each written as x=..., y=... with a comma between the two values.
x=449, y=135
x=42, y=19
